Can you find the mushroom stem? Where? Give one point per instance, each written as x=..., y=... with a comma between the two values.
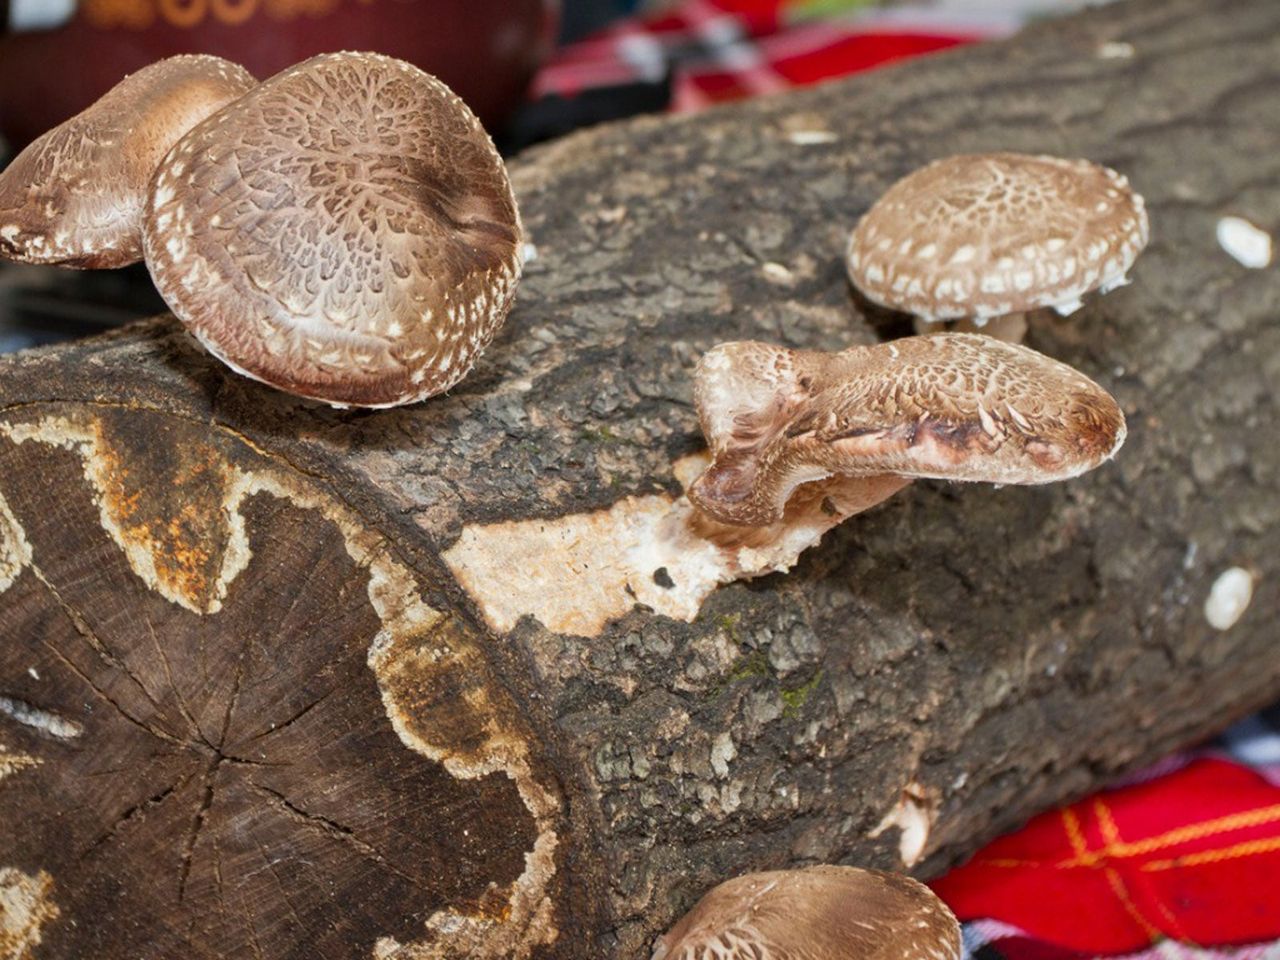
x=1009, y=328
x=816, y=506
x=924, y=327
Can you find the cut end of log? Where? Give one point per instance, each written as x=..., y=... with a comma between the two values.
x=333, y=757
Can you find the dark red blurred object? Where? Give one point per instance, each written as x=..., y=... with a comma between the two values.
x=486, y=50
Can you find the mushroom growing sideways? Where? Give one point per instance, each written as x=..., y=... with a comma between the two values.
x=950, y=406
x=75, y=196
x=985, y=238
x=345, y=231
x=820, y=913
x=799, y=442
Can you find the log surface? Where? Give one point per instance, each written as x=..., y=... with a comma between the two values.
x=249, y=707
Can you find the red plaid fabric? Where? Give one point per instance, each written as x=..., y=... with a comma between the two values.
x=717, y=50
x=1188, y=855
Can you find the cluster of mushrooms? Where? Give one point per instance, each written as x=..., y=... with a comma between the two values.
x=345, y=231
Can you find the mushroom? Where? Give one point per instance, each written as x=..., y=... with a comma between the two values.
x=819, y=913
x=984, y=238
x=75, y=196
x=799, y=442
x=345, y=231
x=950, y=406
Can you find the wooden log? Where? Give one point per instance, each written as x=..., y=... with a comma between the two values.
x=273, y=680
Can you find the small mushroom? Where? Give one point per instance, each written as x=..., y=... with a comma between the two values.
x=75, y=196
x=984, y=238
x=346, y=232
x=949, y=406
x=819, y=913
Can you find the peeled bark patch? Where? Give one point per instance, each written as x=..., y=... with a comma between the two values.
x=574, y=574
x=249, y=781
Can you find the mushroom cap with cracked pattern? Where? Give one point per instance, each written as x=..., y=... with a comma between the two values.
x=75, y=196
x=820, y=913
x=946, y=406
x=345, y=232
x=983, y=235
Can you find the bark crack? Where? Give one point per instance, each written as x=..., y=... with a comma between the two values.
x=333, y=829
x=86, y=632
x=177, y=693
x=134, y=812
x=206, y=801
x=156, y=732
x=293, y=719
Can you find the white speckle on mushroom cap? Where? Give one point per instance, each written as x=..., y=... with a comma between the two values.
x=1007, y=233
x=345, y=232
x=1247, y=243
x=1228, y=598
x=818, y=913
x=75, y=197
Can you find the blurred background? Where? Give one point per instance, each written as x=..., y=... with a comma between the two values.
x=532, y=70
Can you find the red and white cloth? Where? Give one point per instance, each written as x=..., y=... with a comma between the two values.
x=717, y=50
x=1183, y=861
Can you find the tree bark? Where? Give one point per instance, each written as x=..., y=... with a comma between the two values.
x=273, y=680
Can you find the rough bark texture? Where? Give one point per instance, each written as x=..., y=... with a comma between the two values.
x=248, y=709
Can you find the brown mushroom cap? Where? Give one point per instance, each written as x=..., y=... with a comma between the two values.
x=75, y=196
x=991, y=234
x=947, y=406
x=346, y=232
x=821, y=913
